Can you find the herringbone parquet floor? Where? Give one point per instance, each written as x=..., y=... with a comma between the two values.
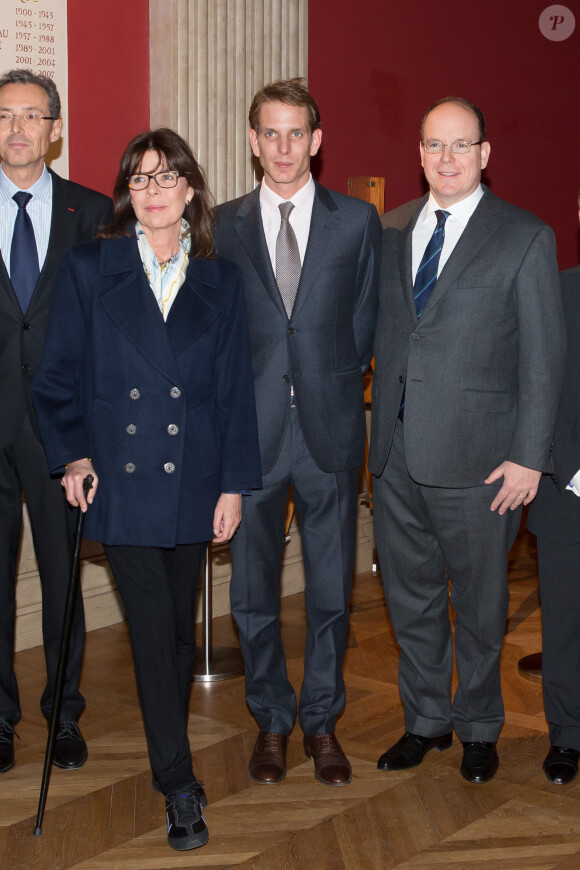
x=107, y=817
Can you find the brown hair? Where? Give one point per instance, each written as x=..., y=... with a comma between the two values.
x=465, y=104
x=293, y=92
x=174, y=151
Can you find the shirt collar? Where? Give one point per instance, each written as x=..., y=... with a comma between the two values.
x=270, y=200
x=460, y=211
x=41, y=189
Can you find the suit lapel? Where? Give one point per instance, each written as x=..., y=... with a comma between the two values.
x=250, y=229
x=62, y=227
x=482, y=224
x=8, y=293
x=406, y=261
x=406, y=268
x=323, y=224
x=131, y=305
x=194, y=310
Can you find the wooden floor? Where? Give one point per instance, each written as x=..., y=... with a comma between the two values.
x=106, y=816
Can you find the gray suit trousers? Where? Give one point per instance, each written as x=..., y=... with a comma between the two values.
x=326, y=504
x=560, y=596
x=427, y=537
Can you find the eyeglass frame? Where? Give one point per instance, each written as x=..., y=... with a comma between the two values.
x=451, y=145
x=6, y=121
x=147, y=175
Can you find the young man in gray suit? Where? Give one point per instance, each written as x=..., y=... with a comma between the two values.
x=309, y=257
x=41, y=216
x=555, y=518
x=469, y=354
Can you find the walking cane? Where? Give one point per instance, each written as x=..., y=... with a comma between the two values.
x=62, y=660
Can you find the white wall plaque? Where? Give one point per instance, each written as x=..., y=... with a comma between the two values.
x=33, y=35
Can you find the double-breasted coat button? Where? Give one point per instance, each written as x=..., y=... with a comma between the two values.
x=175, y=392
x=130, y=467
x=173, y=429
x=135, y=394
x=169, y=467
x=26, y=368
x=131, y=429
x=286, y=379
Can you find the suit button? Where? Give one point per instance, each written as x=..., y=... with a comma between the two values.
x=173, y=429
x=26, y=326
x=290, y=331
x=26, y=368
x=135, y=394
x=131, y=429
x=415, y=336
x=401, y=379
x=175, y=392
x=130, y=467
x=286, y=379
x=169, y=467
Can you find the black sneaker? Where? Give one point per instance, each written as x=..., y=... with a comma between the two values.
x=196, y=787
x=186, y=828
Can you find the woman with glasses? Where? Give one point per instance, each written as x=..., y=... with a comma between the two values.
x=146, y=384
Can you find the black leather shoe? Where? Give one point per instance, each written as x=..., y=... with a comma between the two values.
x=7, y=733
x=196, y=787
x=480, y=762
x=186, y=828
x=561, y=765
x=70, y=749
x=411, y=749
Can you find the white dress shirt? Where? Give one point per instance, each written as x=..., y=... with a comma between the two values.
x=300, y=217
x=39, y=208
x=459, y=215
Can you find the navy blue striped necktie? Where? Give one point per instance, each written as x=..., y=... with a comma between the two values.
x=426, y=276
x=24, y=270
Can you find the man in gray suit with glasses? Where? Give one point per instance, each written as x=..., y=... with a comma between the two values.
x=469, y=357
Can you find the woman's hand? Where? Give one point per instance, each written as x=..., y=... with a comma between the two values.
x=227, y=516
x=72, y=481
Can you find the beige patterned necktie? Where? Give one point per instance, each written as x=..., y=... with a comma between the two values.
x=288, y=265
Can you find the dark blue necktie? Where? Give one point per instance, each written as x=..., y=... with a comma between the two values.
x=426, y=277
x=24, y=269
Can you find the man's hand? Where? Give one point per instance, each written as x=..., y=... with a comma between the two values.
x=227, y=516
x=520, y=485
x=72, y=481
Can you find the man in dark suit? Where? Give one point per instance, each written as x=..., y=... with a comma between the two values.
x=555, y=518
x=469, y=356
x=41, y=216
x=309, y=257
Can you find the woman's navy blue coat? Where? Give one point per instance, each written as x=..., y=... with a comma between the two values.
x=166, y=411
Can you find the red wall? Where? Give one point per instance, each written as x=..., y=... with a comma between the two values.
x=375, y=66
x=108, y=62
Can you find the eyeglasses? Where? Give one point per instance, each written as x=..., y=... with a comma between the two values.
x=167, y=178
x=31, y=118
x=459, y=147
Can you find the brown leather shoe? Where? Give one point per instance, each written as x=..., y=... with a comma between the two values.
x=331, y=766
x=268, y=761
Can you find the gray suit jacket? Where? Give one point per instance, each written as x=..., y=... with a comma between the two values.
x=483, y=368
x=326, y=345
x=555, y=511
